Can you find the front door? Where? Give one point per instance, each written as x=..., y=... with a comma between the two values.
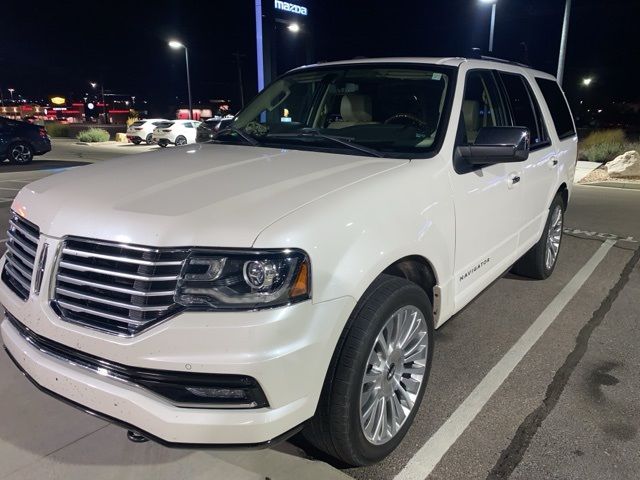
x=487, y=199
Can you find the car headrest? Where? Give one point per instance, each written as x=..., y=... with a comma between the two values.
x=355, y=108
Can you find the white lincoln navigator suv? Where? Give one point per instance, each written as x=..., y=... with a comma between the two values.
x=289, y=274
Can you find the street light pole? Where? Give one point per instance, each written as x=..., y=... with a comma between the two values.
x=11, y=90
x=493, y=25
x=176, y=44
x=563, y=41
x=239, y=56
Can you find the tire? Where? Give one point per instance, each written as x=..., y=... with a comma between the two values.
x=136, y=142
x=163, y=144
x=149, y=139
x=539, y=263
x=20, y=153
x=180, y=141
x=339, y=427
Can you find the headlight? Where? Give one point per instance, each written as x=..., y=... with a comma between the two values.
x=243, y=280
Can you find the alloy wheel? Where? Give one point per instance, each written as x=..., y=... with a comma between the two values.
x=553, y=238
x=21, y=153
x=395, y=371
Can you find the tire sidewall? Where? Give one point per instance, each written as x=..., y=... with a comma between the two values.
x=181, y=139
x=407, y=295
x=149, y=139
x=557, y=202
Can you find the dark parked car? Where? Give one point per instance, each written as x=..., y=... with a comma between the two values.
x=207, y=129
x=20, y=141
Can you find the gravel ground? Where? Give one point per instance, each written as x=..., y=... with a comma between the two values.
x=600, y=175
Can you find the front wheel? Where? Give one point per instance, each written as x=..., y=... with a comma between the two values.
x=149, y=139
x=540, y=261
x=20, y=153
x=136, y=142
x=378, y=375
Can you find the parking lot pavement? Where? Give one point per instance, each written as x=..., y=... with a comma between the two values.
x=531, y=380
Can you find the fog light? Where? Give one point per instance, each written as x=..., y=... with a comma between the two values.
x=219, y=393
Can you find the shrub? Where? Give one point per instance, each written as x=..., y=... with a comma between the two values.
x=598, y=137
x=55, y=129
x=93, y=135
x=603, y=145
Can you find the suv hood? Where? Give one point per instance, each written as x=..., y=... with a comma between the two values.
x=201, y=195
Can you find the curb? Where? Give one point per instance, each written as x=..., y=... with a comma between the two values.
x=627, y=185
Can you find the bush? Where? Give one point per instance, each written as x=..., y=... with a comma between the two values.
x=604, y=145
x=93, y=135
x=55, y=129
x=612, y=136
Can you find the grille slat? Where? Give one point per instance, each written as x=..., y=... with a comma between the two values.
x=117, y=288
x=22, y=244
x=115, y=273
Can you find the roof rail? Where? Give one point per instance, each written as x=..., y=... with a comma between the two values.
x=477, y=54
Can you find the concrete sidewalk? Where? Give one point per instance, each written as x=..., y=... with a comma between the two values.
x=583, y=169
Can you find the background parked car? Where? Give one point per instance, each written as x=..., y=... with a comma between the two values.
x=208, y=128
x=142, y=130
x=176, y=132
x=20, y=141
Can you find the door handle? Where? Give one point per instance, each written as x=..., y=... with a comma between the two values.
x=513, y=179
x=553, y=163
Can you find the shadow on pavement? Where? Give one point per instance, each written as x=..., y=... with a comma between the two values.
x=40, y=165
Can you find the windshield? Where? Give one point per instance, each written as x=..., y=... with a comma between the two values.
x=389, y=110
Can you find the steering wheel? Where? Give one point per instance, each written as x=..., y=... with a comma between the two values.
x=406, y=119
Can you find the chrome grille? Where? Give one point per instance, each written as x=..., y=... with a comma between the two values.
x=116, y=288
x=22, y=243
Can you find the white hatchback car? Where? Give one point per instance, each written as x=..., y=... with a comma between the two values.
x=289, y=274
x=142, y=130
x=176, y=132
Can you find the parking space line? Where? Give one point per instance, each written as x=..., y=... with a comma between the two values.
x=430, y=454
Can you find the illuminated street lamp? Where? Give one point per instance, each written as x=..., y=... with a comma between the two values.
x=587, y=81
x=11, y=90
x=293, y=27
x=493, y=20
x=176, y=45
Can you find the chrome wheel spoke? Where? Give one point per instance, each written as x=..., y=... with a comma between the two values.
x=393, y=376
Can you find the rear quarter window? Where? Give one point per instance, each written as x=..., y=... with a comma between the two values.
x=558, y=107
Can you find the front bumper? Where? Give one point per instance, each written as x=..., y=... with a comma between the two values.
x=286, y=350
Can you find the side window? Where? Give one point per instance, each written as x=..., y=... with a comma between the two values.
x=525, y=111
x=188, y=124
x=558, y=107
x=482, y=105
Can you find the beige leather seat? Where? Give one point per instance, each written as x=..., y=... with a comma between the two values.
x=355, y=109
x=471, y=113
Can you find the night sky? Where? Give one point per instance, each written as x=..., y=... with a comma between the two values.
x=58, y=47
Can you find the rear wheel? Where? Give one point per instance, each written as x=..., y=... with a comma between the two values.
x=378, y=375
x=136, y=141
x=162, y=143
x=181, y=141
x=540, y=261
x=20, y=153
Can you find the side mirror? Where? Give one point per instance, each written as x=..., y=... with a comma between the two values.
x=497, y=145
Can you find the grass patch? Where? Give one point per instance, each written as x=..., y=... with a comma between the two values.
x=93, y=135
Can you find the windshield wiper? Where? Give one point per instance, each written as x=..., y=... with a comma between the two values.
x=242, y=134
x=315, y=133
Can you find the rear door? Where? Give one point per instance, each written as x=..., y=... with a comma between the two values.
x=538, y=172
